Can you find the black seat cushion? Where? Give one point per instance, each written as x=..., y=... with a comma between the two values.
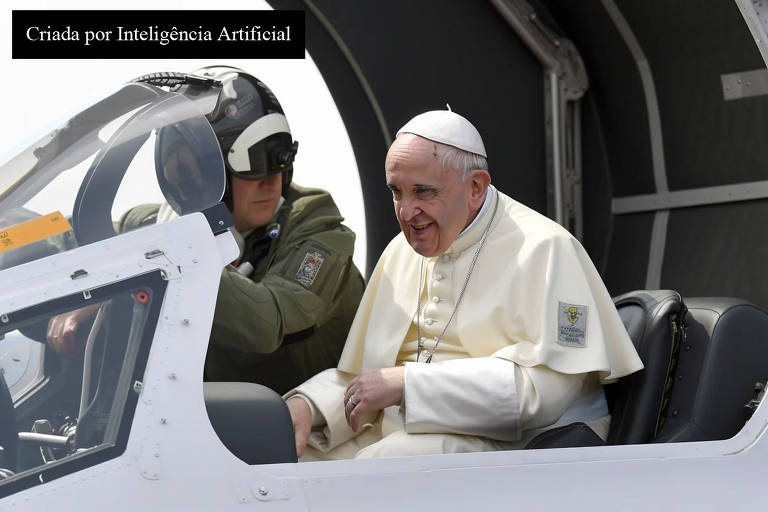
x=567, y=436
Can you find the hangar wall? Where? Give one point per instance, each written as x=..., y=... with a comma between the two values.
x=706, y=140
x=385, y=62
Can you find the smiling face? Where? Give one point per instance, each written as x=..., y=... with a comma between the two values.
x=254, y=201
x=432, y=204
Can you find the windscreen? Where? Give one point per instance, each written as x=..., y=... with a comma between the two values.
x=71, y=188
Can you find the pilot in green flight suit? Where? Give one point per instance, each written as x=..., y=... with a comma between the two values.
x=285, y=306
x=298, y=302
x=288, y=318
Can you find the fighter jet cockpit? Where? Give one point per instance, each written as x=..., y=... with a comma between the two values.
x=68, y=407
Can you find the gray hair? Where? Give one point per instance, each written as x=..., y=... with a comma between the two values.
x=460, y=160
x=463, y=161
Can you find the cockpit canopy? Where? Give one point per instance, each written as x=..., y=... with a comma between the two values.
x=141, y=144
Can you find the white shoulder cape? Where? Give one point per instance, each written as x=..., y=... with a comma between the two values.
x=528, y=270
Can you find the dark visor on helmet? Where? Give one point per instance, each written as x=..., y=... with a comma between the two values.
x=271, y=155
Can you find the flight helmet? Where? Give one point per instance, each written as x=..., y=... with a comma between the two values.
x=249, y=124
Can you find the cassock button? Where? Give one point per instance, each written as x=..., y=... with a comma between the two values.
x=435, y=299
x=445, y=257
x=428, y=321
x=439, y=277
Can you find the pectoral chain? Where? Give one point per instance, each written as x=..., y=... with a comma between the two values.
x=425, y=354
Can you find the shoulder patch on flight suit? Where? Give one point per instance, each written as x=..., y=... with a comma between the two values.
x=309, y=267
x=316, y=268
x=571, y=325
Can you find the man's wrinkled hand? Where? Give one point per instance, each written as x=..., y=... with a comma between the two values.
x=62, y=330
x=373, y=390
x=301, y=417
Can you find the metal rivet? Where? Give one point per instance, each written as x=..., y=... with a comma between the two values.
x=263, y=491
x=675, y=413
x=687, y=348
x=87, y=294
x=138, y=386
x=163, y=421
x=221, y=223
x=4, y=319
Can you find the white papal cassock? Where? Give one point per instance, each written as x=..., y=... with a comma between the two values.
x=533, y=339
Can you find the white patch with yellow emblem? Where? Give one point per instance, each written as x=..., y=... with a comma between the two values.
x=571, y=325
x=309, y=268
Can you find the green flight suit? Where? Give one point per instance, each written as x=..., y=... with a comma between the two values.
x=289, y=319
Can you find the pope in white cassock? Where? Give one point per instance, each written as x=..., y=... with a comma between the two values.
x=483, y=324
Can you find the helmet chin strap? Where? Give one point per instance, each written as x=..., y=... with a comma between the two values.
x=260, y=246
x=277, y=208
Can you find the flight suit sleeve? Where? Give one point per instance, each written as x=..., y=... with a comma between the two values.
x=299, y=291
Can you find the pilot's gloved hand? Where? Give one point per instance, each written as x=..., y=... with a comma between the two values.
x=62, y=330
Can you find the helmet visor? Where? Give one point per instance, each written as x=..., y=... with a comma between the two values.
x=269, y=156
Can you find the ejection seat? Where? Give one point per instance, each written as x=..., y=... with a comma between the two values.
x=723, y=356
x=701, y=366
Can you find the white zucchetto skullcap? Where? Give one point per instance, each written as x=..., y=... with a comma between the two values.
x=446, y=127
